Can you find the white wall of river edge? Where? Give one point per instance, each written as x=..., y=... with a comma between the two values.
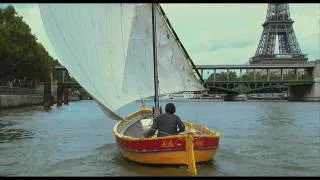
x=9, y=101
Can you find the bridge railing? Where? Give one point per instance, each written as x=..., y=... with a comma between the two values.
x=259, y=80
x=279, y=56
x=19, y=91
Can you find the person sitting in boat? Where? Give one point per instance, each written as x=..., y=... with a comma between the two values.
x=166, y=123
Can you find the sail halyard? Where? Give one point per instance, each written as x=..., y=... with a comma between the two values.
x=155, y=58
x=179, y=42
x=175, y=67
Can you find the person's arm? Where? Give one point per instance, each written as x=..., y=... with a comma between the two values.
x=180, y=125
x=153, y=128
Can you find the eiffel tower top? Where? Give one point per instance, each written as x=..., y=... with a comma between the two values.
x=278, y=13
x=278, y=29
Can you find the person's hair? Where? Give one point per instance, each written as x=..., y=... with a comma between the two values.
x=170, y=108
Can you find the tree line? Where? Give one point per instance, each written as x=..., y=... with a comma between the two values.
x=23, y=60
x=249, y=76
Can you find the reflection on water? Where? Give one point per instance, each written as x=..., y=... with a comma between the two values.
x=257, y=139
x=9, y=135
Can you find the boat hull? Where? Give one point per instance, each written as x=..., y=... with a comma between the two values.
x=174, y=157
x=166, y=150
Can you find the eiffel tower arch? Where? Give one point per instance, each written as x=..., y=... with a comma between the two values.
x=278, y=35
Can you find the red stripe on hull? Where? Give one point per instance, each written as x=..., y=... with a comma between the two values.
x=166, y=144
x=206, y=142
x=152, y=145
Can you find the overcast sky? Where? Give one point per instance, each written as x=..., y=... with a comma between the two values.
x=215, y=33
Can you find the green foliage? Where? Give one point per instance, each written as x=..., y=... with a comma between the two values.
x=249, y=76
x=22, y=58
x=223, y=76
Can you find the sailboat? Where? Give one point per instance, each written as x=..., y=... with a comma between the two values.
x=121, y=53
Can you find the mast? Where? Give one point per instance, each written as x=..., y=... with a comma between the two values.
x=155, y=60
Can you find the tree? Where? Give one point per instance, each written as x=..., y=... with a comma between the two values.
x=22, y=58
x=223, y=76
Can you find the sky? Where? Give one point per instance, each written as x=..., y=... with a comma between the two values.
x=215, y=33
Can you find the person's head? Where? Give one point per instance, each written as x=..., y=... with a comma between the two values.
x=170, y=108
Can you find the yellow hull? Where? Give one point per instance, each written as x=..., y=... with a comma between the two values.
x=174, y=157
x=187, y=148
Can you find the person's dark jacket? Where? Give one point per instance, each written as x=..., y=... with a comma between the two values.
x=166, y=124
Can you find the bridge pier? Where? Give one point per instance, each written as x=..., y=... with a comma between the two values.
x=296, y=73
x=65, y=95
x=229, y=97
x=228, y=75
x=59, y=95
x=47, y=97
x=307, y=93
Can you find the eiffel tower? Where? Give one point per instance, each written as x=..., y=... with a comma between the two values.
x=277, y=28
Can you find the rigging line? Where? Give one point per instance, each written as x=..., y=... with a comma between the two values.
x=74, y=58
x=122, y=39
x=158, y=40
x=121, y=24
x=110, y=52
x=172, y=43
x=85, y=56
x=187, y=130
x=50, y=40
x=155, y=58
x=44, y=22
x=106, y=42
x=95, y=44
x=163, y=131
x=41, y=15
x=81, y=25
x=176, y=39
x=179, y=72
x=127, y=62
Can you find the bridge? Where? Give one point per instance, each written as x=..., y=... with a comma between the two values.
x=303, y=86
x=261, y=84
x=269, y=71
x=63, y=81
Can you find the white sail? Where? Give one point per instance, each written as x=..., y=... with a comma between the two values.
x=176, y=73
x=107, y=48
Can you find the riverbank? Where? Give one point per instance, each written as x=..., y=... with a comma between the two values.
x=13, y=101
x=10, y=101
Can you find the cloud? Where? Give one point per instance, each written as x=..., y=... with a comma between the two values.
x=209, y=30
x=224, y=56
x=216, y=33
x=4, y=5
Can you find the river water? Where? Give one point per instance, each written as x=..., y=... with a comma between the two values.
x=257, y=139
